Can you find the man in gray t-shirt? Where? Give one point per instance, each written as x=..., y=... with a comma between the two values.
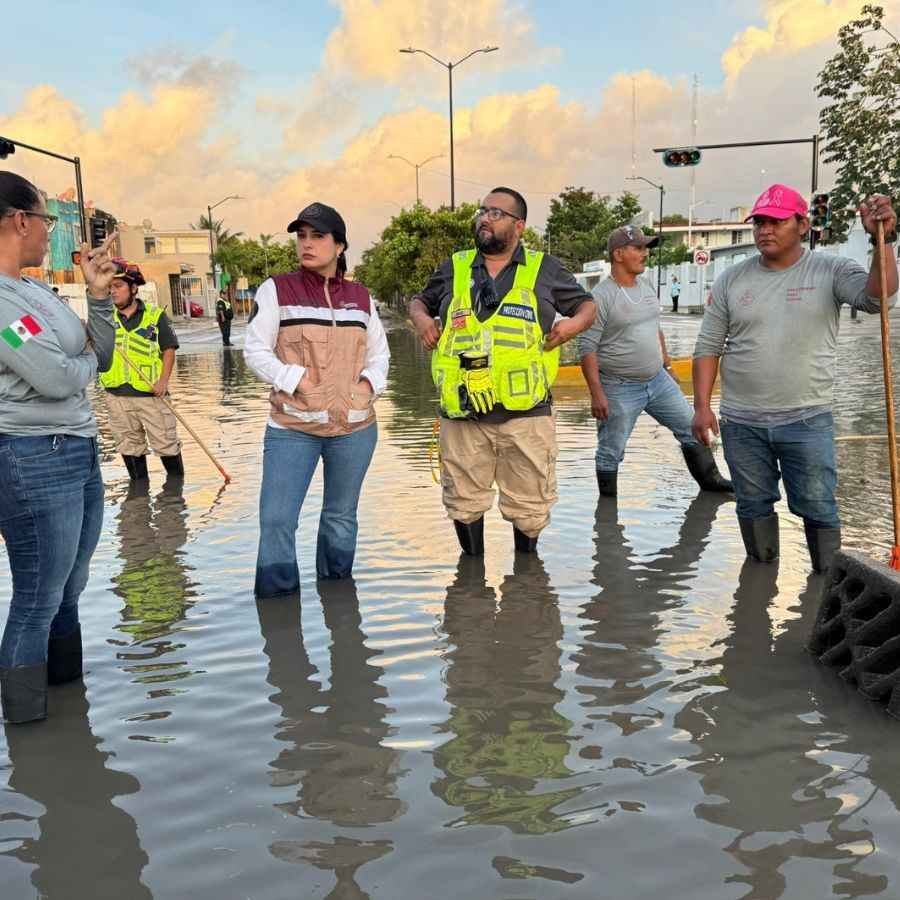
x=773, y=321
x=626, y=367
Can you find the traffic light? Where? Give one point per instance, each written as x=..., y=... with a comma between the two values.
x=98, y=231
x=7, y=148
x=681, y=156
x=820, y=212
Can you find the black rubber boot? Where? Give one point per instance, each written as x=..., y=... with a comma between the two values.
x=64, y=658
x=174, y=465
x=471, y=536
x=702, y=466
x=822, y=544
x=607, y=483
x=137, y=467
x=524, y=544
x=23, y=692
x=761, y=538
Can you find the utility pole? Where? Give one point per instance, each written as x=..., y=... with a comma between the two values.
x=416, y=166
x=450, y=66
x=659, y=244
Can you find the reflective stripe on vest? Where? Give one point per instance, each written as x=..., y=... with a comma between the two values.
x=141, y=346
x=522, y=372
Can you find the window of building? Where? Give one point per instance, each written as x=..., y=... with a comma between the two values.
x=149, y=246
x=737, y=237
x=191, y=286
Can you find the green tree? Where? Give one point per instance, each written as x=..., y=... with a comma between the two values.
x=412, y=246
x=580, y=222
x=861, y=120
x=674, y=219
x=256, y=260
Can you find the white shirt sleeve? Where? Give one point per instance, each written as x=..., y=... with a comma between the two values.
x=260, y=339
x=377, y=354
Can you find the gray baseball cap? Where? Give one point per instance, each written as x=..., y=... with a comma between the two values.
x=630, y=235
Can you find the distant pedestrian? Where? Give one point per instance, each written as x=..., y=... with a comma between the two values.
x=224, y=315
x=51, y=490
x=675, y=292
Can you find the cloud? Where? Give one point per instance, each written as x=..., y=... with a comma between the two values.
x=361, y=58
x=151, y=154
x=791, y=25
x=172, y=65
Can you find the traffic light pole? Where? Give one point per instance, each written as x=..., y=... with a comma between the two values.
x=814, y=140
x=76, y=161
x=659, y=244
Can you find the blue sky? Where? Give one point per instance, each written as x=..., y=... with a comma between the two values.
x=172, y=105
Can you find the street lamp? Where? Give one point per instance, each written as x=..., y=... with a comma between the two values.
x=691, y=209
x=8, y=147
x=659, y=247
x=209, y=222
x=450, y=66
x=417, y=166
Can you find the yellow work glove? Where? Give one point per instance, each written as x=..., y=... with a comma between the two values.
x=477, y=380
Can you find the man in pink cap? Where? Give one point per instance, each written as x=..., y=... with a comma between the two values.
x=773, y=320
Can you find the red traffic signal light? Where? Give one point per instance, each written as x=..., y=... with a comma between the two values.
x=7, y=148
x=681, y=156
x=820, y=212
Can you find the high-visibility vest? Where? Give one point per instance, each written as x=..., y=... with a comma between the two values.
x=141, y=346
x=521, y=370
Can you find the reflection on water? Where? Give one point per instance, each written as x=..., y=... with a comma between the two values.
x=631, y=715
x=82, y=837
x=509, y=745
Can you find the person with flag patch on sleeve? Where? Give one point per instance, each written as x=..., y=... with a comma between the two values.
x=494, y=318
x=138, y=379
x=51, y=489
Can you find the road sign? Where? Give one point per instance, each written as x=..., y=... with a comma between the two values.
x=701, y=257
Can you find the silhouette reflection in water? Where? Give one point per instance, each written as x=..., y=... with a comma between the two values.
x=510, y=742
x=762, y=744
x=153, y=581
x=332, y=738
x=624, y=621
x=86, y=846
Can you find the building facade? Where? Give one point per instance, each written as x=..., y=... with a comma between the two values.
x=176, y=260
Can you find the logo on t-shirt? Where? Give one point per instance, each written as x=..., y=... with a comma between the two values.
x=746, y=299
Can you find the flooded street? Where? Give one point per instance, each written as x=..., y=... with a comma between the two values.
x=630, y=715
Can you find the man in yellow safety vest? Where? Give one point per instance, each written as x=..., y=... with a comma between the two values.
x=139, y=378
x=490, y=316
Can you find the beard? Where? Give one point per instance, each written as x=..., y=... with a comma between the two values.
x=490, y=243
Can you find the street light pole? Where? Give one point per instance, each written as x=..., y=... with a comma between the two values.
x=659, y=245
x=75, y=160
x=209, y=222
x=450, y=66
x=417, y=166
x=691, y=208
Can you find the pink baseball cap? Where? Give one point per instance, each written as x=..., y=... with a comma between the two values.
x=778, y=202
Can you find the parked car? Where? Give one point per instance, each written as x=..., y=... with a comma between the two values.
x=196, y=310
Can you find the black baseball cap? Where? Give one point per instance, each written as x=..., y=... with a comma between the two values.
x=323, y=218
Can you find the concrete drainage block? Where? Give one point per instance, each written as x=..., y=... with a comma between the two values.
x=857, y=628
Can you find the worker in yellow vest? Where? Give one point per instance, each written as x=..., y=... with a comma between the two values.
x=137, y=414
x=491, y=317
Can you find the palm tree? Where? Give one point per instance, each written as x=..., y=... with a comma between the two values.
x=223, y=235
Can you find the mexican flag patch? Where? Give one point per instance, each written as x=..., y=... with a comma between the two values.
x=20, y=332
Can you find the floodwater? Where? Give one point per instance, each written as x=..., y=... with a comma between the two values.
x=630, y=715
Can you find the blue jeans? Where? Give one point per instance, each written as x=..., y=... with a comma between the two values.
x=802, y=454
x=51, y=510
x=289, y=461
x=660, y=397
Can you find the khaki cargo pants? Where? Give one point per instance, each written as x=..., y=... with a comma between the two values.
x=519, y=455
x=137, y=421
